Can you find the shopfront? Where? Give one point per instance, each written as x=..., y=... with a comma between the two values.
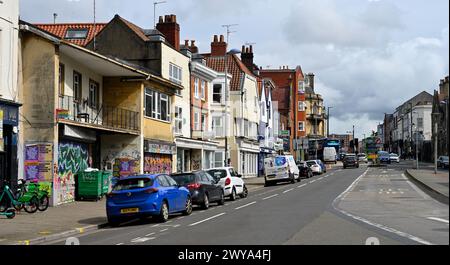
x=158, y=157
x=9, y=117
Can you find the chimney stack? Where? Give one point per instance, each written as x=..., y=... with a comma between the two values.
x=310, y=78
x=247, y=57
x=218, y=48
x=193, y=48
x=170, y=29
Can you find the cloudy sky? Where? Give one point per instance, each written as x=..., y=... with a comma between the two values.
x=369, y=56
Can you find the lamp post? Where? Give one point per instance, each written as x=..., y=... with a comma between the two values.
x=328, y=122
x=234, y=51
x=435, y=137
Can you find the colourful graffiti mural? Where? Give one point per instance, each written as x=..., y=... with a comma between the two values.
x=72, y=158
x=157, y=163
x=38, y=162
x=125, y=167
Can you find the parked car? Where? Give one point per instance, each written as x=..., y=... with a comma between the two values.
x=315, y=167
x=443, y=162
x=394, y=158
x=362, y=158
x=384, y=157
x=202, y=187
x=232, y=183
x=342, y=155
x=329, y=155
x=280, y=168
x=322, y=165
x=146, y=195
x=305, y=170
x=350, y=161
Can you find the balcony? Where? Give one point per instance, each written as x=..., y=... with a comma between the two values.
x=113, y=118
x=319, y=117
x=203, y=135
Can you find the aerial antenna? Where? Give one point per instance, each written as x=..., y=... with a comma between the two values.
x=55, y=15
x=95, y=29
x=154, y=11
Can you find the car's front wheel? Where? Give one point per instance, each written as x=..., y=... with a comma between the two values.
x=244, y=192
x=221, y=201
x=233, y=194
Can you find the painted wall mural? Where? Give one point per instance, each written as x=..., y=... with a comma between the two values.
x=125, y=167
x=157, y=163
x=72, y=158
x=38, y=164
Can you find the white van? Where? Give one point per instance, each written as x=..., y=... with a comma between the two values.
x=329, y=155
x=280, y=168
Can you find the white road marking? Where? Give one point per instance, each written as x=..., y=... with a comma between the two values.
x=266, y=198
x=438, y=219
x=168, y=222
x=286, y=191
x=207, y=219
x=176, y=225
x=320, y=178
x=119, y=244
x=151, y=234
x=245, y=205
x=415, y=187
x=383, y=227
x=301, y=186
x=142, y=239
x=165, y=229
x=181, y=217
x=312, y=181
x=155, y=225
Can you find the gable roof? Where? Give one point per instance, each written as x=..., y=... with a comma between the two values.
x=60, y=30
x=235, y=67
x=136, y=29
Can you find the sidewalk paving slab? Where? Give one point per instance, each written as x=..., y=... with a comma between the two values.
x=435, y=185
x=56, y=222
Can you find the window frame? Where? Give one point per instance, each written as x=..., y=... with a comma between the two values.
x=178, y=120
x=303, y=126
x=214, y=125
x=83, y=30
x=196, y=90
x=156, y=98
x=77, y=88
x=203, y=89
x=94, y=105
x=196, y=121
x=61, y=79
x=215, y=93
x=175, y=73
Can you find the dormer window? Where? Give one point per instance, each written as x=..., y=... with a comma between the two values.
x=76, y=33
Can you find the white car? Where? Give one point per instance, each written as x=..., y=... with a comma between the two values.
x=232, y=183
x=394, y=158
x=315, y=167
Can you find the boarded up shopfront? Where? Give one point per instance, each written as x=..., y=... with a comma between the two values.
x=158, y=157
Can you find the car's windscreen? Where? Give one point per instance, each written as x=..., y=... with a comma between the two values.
x=217, y=174
x=383, y=153
x=311, y=163
x=184, y=179
x=350, y=158
x=445, y=158
x=132, y=184
x=280, y=161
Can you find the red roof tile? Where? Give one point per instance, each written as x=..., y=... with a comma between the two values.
x=60, y=30
x=235, y=67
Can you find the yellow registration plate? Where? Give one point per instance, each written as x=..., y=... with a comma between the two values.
x=129, y=210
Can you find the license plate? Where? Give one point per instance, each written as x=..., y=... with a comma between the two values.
x=129, y=210
x=271, y=176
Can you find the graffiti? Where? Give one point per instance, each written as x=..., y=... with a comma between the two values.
x=72, y=158
x=157, y=163
x=125, y=167
x=38, y=162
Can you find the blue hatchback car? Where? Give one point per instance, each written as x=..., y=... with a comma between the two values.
x=384, y=157
x=146, y=195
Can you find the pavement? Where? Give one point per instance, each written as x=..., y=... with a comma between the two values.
x=436, y=184
x=65, y=220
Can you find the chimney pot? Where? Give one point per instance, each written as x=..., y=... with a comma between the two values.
x=215, y=39
x=161, y=20
x=243, y=49
x=166, y=18
x=174, y=18
x=192, y=43
x=170, y=30
x=246, y=50
x=251, y=49
x=186, y=42
x=221, y=38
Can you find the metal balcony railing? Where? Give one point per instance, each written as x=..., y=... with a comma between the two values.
x=72, y=109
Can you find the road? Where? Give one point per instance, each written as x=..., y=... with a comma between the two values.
x=341, y=207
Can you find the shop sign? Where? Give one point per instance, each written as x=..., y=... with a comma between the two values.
x=159, y=148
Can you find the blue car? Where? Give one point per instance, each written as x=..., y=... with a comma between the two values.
x=384, y=157
x=322, y=165
x=146, y=195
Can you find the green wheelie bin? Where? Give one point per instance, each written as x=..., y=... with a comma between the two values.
x=90, y=185
x=106, y=182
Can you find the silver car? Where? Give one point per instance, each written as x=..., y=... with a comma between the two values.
x=362, y=158
x=394, y=158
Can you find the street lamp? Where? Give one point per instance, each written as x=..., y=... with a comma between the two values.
x=328, y=122
x=435, y=136
x=231, y=52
